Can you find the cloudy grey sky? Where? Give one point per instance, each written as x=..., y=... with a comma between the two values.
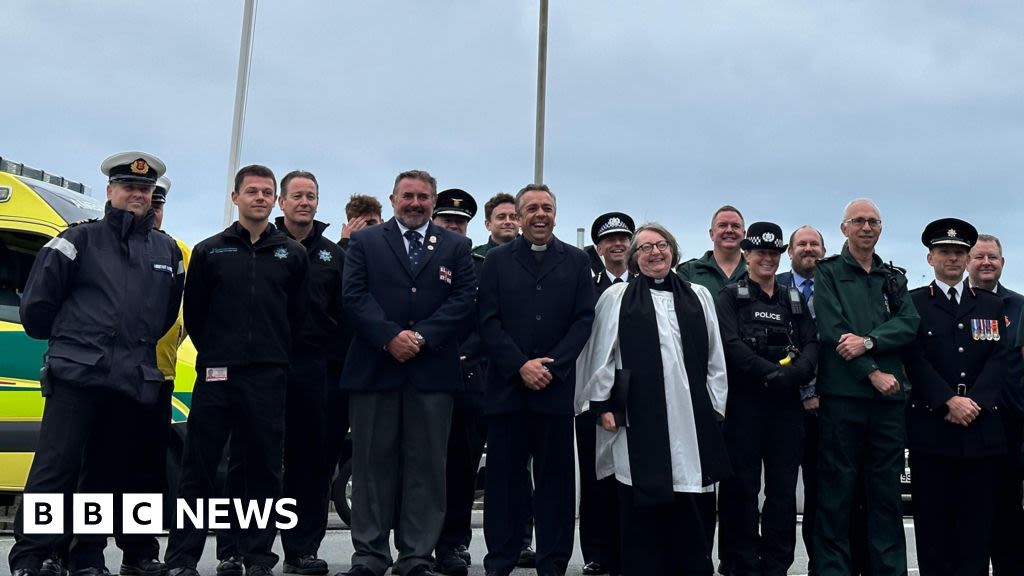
x=662, y=109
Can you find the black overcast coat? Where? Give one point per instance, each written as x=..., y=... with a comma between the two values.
x=530, y=310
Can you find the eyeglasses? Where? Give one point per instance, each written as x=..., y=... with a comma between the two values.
x=646, y=248
x=860, y=222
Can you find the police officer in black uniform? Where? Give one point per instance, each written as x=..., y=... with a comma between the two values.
x=453, y=211
x=102, y=292
x=599, y=504
x=954, y=431
x=244, y=305
x=771, y=350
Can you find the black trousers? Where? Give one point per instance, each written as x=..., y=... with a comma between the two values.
x=599, y=507
x=763, y=431
x=249, y=406
x=1008, y=522
x=858, y=519
x=664, y=539
x=511, y=440
x=465, y=447
x=75, y=418
x=322, y=420
x=953, y=504
x=149, y=435
x=399, y=442
x=337, y=428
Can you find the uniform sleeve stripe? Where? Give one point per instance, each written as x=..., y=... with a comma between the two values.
x=63, y=246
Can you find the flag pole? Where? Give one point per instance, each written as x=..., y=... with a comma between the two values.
x=542, y=59
x=241, y=89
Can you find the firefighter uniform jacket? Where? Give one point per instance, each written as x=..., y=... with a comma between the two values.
x=244, y=301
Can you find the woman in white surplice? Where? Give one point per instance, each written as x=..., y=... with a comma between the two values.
x=655, y=365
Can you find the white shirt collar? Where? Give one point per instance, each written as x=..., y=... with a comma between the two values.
x=945, y=289
x=612, y=277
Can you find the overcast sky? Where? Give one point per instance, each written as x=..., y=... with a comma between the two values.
x=662, y=109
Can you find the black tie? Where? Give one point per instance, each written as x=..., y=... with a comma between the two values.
x=415, y=247
x=952, y=295
x=617, y=280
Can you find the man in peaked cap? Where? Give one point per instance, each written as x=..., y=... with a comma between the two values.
x=954, y=431
x=101, y=379
x=599, y=520
x=152, y=435
x=453, y=211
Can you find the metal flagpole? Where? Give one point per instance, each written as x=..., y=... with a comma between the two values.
x=542, y=63
x=241, y=89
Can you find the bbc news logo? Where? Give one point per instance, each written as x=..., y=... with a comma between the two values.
x=144, y=513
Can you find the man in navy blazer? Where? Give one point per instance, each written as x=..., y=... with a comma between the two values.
x=409, y=287
x=536, y=303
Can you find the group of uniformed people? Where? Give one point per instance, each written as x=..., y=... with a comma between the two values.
x=431, y=349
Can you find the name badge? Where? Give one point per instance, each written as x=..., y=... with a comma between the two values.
x=216, y=374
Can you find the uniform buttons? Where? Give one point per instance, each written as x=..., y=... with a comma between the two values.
x=411, y=323
x=413, y=290
x=963, y=374
x=960, y=326
x=538, y=316
x=960, y=349
x=929, y=332
x=538, y=286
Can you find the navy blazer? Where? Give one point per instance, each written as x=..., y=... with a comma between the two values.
x=530, y=310
x=384, y=295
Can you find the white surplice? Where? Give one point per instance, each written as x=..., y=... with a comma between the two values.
x=595, y=375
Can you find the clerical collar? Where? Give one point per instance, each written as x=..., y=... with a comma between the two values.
x=538, y=247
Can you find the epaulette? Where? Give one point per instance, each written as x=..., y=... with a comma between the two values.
x=687, y=262
x=84, y=221
x=828, y=258
x=920, y=288
x=479, y=256
x=162, y=232
x=894, y=268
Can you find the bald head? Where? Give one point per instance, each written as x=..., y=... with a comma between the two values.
x=859, y=205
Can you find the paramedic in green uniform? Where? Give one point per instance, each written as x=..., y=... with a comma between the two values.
x=864, y=317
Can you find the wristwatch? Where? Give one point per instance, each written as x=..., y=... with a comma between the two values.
x=869, y=343
x=420, y=339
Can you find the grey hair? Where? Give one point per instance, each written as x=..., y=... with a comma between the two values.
x=850, y=204
x=534, y=188
x=634, y=245
x=991, y=238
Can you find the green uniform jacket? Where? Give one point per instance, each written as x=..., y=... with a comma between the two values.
x=483, y=249
x=848, y=299
x=705, y=272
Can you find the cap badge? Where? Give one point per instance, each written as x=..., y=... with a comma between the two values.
x=281, y=253
x=325, y=256
x=768, y=237
x=140, y=167
x=951, y=232
x=456, y=202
